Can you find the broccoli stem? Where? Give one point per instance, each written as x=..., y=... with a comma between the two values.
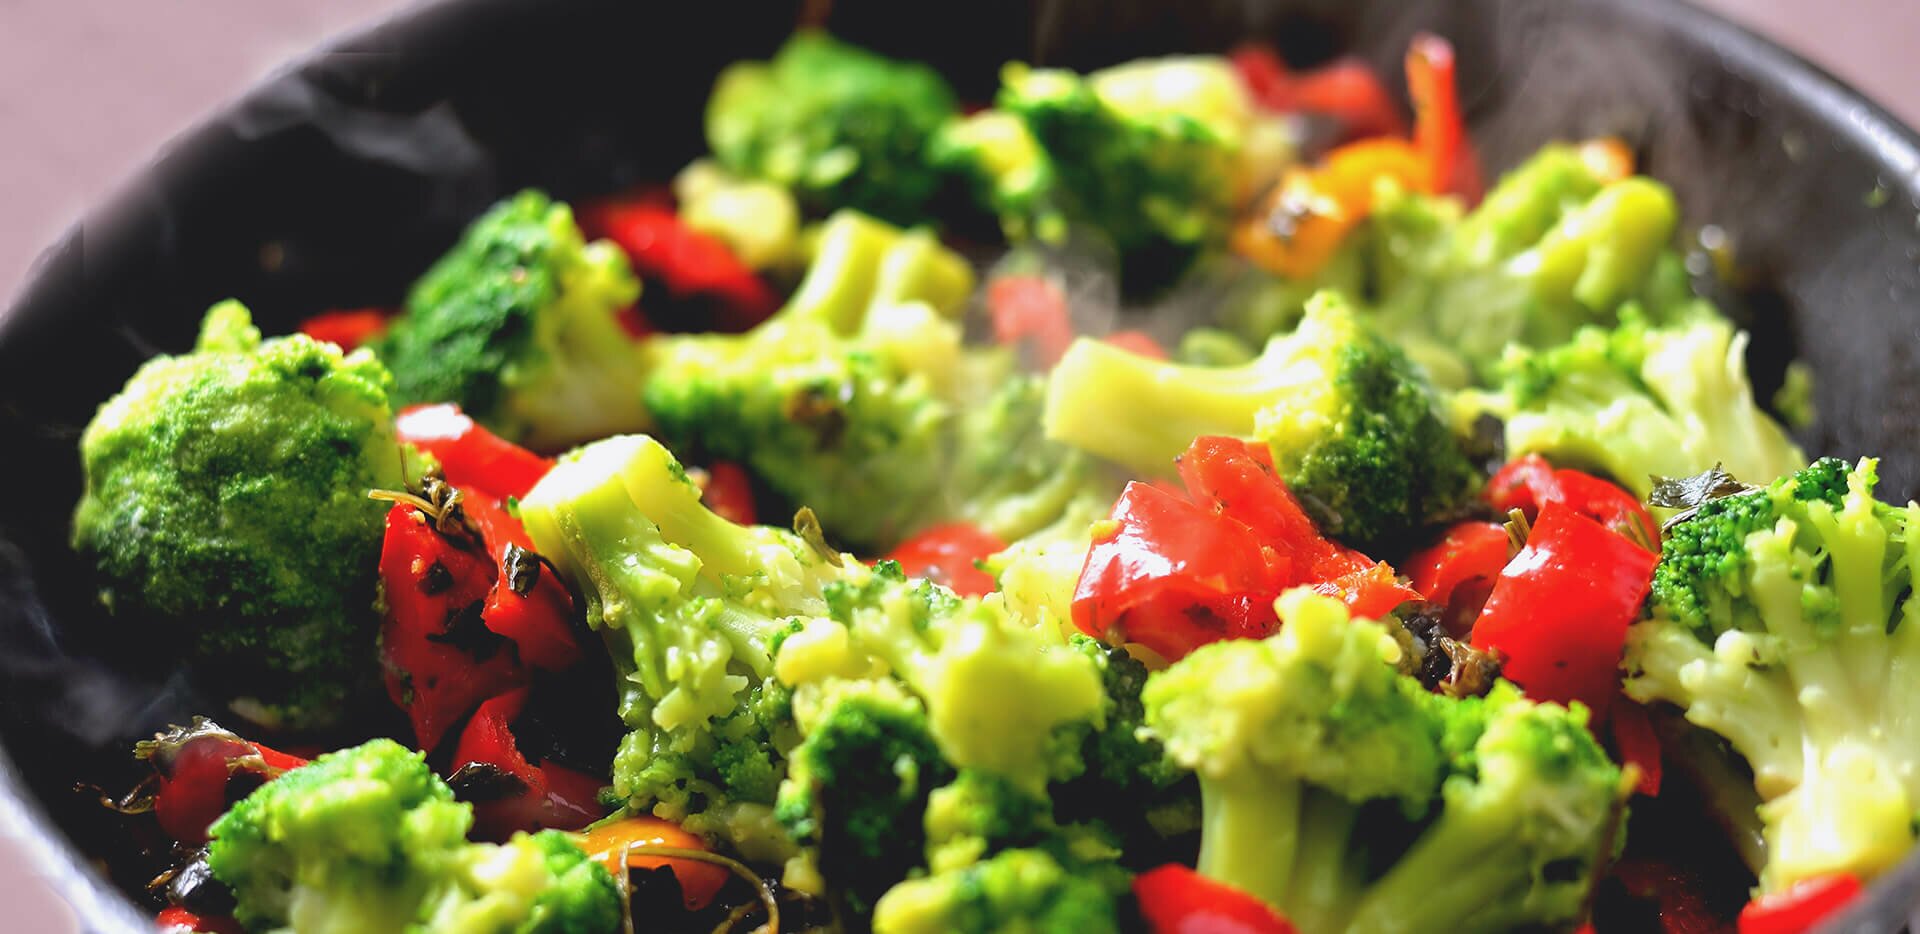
x=1460, y=874
x=1324, y=889
x=1142, y=413
x=1250, y=834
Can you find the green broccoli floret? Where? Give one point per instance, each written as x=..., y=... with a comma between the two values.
x=1639, y=401
x=517, y=325
x=225, y=505
x=1342, y=793
x=692, y=608
x=857, y=401
x=369, y=839
x=1130, y=786
x=1356, y=430
x=1156, y=154
x=1022, y=891
x=841, y=126
x=857, y=787
x=1781, y=619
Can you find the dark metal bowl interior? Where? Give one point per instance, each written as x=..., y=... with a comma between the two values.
x=337, y=180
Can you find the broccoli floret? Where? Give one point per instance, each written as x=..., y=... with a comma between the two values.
x=225, y=505
x=841, y=126
x=1023, y=891
x=1355, y=429
x=1342, y=793
x=757, y=219
x=1639, y=401
x=857, y=787
x=1155, y=154
x=369, y=839
x=692, y=608
x=1130, y=786
x=857, y=401
x=1781, y=619
x=517, y=324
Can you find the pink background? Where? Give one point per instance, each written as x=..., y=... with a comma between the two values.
x=90, y=88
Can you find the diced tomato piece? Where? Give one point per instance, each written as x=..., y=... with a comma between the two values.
x=1800, y=907
x=439, y=658
x=1176, y=900
x=470, y=456
x=687, y=262
x=1031, y=309
x=1458, y=572
x=541, y=802
x=1172, y=576
x=1635, y=742
x=177, y=920
x=729, y=492
x=950, y=554
x=1137, y=342
x=607, y=843
x=1561, y=608
x=349, y=328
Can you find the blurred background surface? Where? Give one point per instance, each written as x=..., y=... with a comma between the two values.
x=90, y=89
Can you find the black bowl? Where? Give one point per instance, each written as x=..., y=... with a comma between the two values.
x=335, y=181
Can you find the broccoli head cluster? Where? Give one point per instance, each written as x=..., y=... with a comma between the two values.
x=226, y=508
x=369, y=839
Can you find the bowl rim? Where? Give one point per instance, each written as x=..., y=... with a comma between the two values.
x=97, y=905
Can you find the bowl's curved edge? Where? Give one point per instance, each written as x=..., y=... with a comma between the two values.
x=100, y=907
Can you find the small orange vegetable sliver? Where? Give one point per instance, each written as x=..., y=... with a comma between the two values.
x=699, y=882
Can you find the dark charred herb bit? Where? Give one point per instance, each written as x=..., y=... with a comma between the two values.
x=191, y=885
x=480, y=782
x=807, y=526
x=521, y=568
x=1443, y=664
x=1688, y=494
x=467, y=631
x=436, y=580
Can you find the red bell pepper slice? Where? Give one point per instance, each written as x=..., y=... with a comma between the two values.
x=438, y=657
x=1458, y=571
x=1176, y=900
x=1800, y=906
x=729, y=492
x=538, y=621
x=1561, y=607
x=348, y=327
x=1635, y=742
x=177, y=920
x=1439, y=131
x=1346, y=89
x=688, y=263
x=202, y=771
x=470, y=456
x=1370, y=592
x=550, y=794
x=1172, y=576
x=1529, y=483
x=1031, y=309
x=950, y=554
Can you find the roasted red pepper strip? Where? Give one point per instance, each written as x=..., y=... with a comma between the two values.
x=1529, y=482
x=537, y=621
x=470, y=456
x=202, y=771
x=178, y=920
x=1137, y=342
x=438, y=657
x=1458, y=572
x=699, y=882
x=1176, y=900
x=950, y=555
x=1347, y=90
x=1439, y=131
x=349, y=328
x=688, y=263
x=1635, y=742
x=729, y=492
x=1173, y=577
x=1799, y=907
x=1561, y=607
x=551, y=795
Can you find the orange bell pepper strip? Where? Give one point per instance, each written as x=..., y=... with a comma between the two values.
x=607, y=843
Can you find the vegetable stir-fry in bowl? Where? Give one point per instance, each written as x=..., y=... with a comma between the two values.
x=1168, y=493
